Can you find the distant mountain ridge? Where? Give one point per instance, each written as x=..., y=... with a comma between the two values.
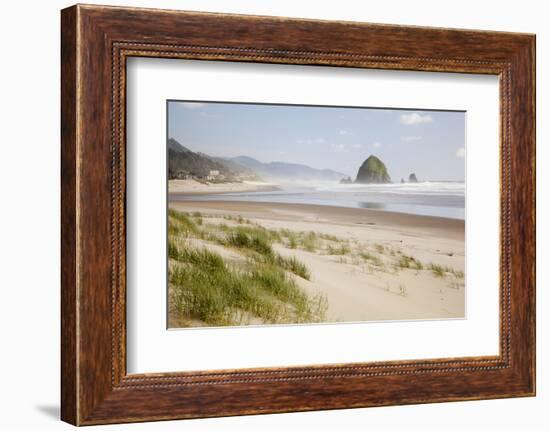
x=183, y=162
x=175, y=146
x=287, y=171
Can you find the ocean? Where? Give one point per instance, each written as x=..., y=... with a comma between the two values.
x=440, y=199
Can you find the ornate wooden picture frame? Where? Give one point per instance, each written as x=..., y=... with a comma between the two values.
x=96, y=41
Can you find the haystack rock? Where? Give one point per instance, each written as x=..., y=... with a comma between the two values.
x=374, y=171
x=412, y=178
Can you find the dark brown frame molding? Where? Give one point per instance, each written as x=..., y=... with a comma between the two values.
x=95, y=43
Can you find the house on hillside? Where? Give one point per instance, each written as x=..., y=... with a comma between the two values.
x=213, y=175
x=180, y=175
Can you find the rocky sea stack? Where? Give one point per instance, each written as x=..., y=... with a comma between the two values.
x=373, y=170
x=412, y=178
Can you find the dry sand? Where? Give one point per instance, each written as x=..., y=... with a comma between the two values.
x=187, y=187
x=355, y=289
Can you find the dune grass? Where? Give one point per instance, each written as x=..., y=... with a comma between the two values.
x=371, y=258
x=442, y=271
x=259, y=243
x=329, y=237
x=293, y=265
x=340, y=250
x=181, y=223
x=458, y=274
x=380, y=248
x=238, y=219
x=207, y=288
x=197, y=218
x=305, y=240
x=409, y=262
x=437, y=270
x=309, y=241
x=204, y=287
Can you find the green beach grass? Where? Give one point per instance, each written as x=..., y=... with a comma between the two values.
x=261, y=288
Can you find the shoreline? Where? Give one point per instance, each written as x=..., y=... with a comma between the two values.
x=260, y=192
x=196, y=188
x=425, y=224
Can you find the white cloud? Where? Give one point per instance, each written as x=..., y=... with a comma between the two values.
x=344, y=132
x=377, y=145
x=357, y=146
x=311, y=141
x=411, y=138
x=460, y=152
x=414, y=119
x=193, y=105
x=340, y=148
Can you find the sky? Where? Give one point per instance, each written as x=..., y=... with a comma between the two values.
x=429, y=143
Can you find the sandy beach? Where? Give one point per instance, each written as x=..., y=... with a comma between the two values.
x=193, y=187
x=369, y=265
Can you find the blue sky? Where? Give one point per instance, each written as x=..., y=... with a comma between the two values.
x=429, y=143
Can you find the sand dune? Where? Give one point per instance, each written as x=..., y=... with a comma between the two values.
x=379, y=287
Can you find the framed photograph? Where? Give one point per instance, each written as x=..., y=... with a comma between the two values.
x=263, y=214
